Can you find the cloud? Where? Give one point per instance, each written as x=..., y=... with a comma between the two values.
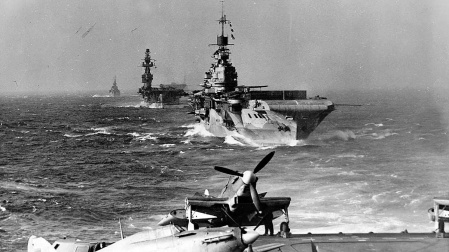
x=316, y=45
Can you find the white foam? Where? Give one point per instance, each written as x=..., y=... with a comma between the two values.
x=350, y=156
x=190, y=126
x=383, y=134
x=72, y=135
x=198, y=130
x=132, y=105
x=342, y=135
x=351, y=173
x=297, y=143
x=100, y=96
x=144, y=136
x=233, y=141
x=102, y=130
x=375, y=124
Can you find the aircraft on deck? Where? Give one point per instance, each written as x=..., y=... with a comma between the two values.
x=239, y=204
x=167, y=239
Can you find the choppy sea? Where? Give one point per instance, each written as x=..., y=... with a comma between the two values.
x=72, y=165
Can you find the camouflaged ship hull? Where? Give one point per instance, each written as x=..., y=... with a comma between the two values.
x=267, y=122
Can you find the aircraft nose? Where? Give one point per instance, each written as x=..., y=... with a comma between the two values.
x=248, y=177
x=249, y=237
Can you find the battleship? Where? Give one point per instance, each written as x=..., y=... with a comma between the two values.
x=275, y=116
x=166, y=95
x=114, y=92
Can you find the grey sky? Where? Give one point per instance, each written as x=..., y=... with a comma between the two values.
x=293, y=44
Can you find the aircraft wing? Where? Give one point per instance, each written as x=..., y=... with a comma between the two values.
x=214, y=206
x=266, y=247
x=204, y=208
x=276, y=202
x=205, y=202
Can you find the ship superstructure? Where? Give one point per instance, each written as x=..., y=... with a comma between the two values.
x=167, y=95
x=225, y=108
x=115, y=92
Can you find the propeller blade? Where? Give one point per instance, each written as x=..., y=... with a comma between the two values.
x=264, y=162
x=255, y=198
x=228, y=171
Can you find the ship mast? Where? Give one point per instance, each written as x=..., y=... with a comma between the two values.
x=222, y=40
x=147, y=77
x=221, y=77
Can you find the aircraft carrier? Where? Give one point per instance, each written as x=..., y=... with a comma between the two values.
x=166, y=95
x=264, y=117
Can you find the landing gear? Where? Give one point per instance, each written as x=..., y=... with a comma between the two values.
x=284, y=229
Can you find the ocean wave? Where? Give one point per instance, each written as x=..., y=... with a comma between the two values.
x=143, y=136
x=233, y=141
x=375, y=124
x=72, y=135
x=141, y=104
x=100, y=96
x=350, y=173
x=382, y=135
x=340, y=135
x=101, y=130
x=198, y=129
x=377, y=135
x=350, y=155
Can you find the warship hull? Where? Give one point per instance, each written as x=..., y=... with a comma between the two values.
x=267, y=122
x=163, y=98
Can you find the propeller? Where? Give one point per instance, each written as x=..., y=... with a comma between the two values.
x=249, y=178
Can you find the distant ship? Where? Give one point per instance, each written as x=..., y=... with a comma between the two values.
x=115, y=92
x=265, y=117
x=166, y=96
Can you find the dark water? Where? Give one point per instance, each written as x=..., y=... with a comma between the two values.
x=72, y=165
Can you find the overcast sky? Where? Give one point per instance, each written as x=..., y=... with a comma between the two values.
x=317, y=45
